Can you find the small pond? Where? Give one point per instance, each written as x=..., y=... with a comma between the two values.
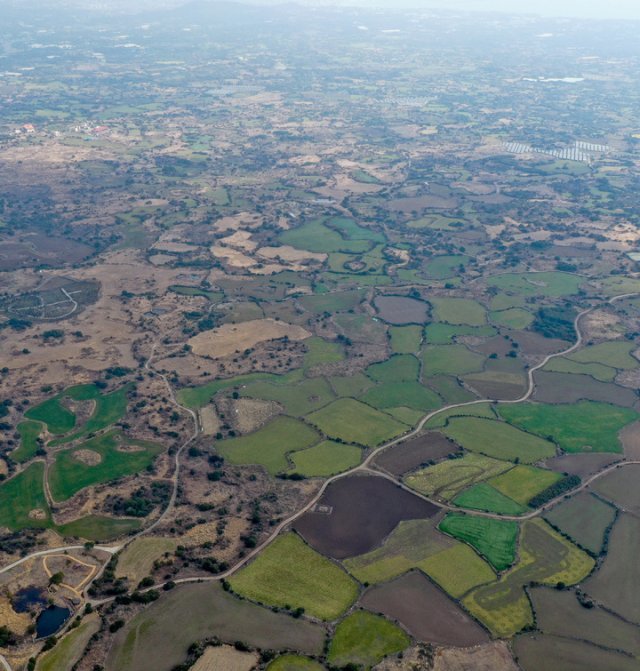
x=51, y=620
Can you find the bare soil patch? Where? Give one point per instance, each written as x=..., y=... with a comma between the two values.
x=357, y=513
x=630, y=439
x=247, y=414
x=490, y=657
x=582, y=465
x=209, y=421
x=225, y=658
x=291, y=254
x=430, y=446
x=87, y=457
x=568, y=388
x=17, y=622
x=231, y=338
x=37, y=514
x=425, y=611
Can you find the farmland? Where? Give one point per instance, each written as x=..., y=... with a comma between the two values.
x=620, y=488
x=450, y=360
x=487, y=498
x=325, y=459
x=294, y=663
x=458, y=569
x=522, y=483
x=459, y=311
x=290, y=574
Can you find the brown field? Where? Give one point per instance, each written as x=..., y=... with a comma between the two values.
x=425, y=611
x=401, y=310
x=617, y=584
x=533, y=344
x=209, y=421
x=490, y=657
x=87, y=457
x=538, y=652
x=621, y=487
x=569, y=388
x=291, y=254
x=231, y=338
x=225, y=658
x=363, y=512
x=630, y=439
x=407, y=456
x=581, y=464
x=159, y=636
x=20, y=250
x=497, y=385
x=421, y=203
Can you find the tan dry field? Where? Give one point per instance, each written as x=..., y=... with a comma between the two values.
x=490, y=657
x=87, y=457
x=249, y=414
x=17, y=622
x=233, y=257
x=630, y=439
x=136, y=561
x=629, y=378
x=305, y=159
x=175, y=247
x=225, y=658
x=290, y=254
x=231, y=338
x=240, y=239
x=238, y=221
x=160, y=259
x=4, y=469
x=602, y=324
x=209, y=421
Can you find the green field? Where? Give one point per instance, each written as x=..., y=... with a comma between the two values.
x=458, y=569
x=22, y=494
x=399, y=368
x=364, y=639
x=294, y=663
x=270, y=445
x=614, y=354
x=315, y=236
x=68, y=475
x=513, y=318
x=484, y=497
x=493, y=539
x=325, y=459
x=332, y=302
x=298, y=399
x=459, y=311
x=52, y=413
x=402, y=394
x=546, y=558
x=405, y=339
x=498, y=439
x=97, y=528
x=351, y=385
x=580, y=427
x=476, y=410
x=320, y=351
x=550, y=284
x=522, y=483
x=290, y=574
x=355, y=422
x=584, y=518
x=29, y=432
x=443, y=334
x=596, y=370
x=449, y=477
x=444, y=267
x=450, y=360
x=362, y=328
x=198, y=397
x=407, y=547
x=69, y=649
x=506, y=302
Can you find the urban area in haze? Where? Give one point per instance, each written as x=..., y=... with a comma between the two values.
x=319, y=336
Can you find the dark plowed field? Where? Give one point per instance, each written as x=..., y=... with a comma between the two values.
x=357, y=513
x=425, y=611
x=581, y=464
x=411, y=454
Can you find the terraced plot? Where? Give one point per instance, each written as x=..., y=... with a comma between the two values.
x=546, y=558
x=498, y=440
x=290, y=574
x=270, y=445
x=584, y=426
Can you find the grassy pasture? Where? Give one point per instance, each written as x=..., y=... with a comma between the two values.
x=320, y=352
x=542, y=652
x=136, y=560
x=583, y=426
x=291, y=574
x=458, y=570
x=513, y=318
x=353, y=231
x=355, y=422
x=617, y=584
x=443, y=334
x=546, y=558
x=294, y=663
x=351, y=385
x=503, y=301
x=448, y=478
x=485, y=497
x=362, y=328
x=335, y=301
x=98, y=528
x=615, y=354
x=316, y=236
x=153, y=641
x=298, y=399
x=29, y=432
x=477, y=410
x=407, y=547
x=596, y=370
x=69, y=649
x=444, y=267
x=497, y=439
x=405, y=339
x=522, y=483
x=197, y=397
x=269, y=446
x=559, y=613
x=449, y=389
x=52, y=413
x=364, y=639
x=459, y=311
x=450, y=360
x=22, y=494
x=493, y=539
x=325, y=459
x=399, y=368
x=549, y=284
x=68, y=475
x=402, y=394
